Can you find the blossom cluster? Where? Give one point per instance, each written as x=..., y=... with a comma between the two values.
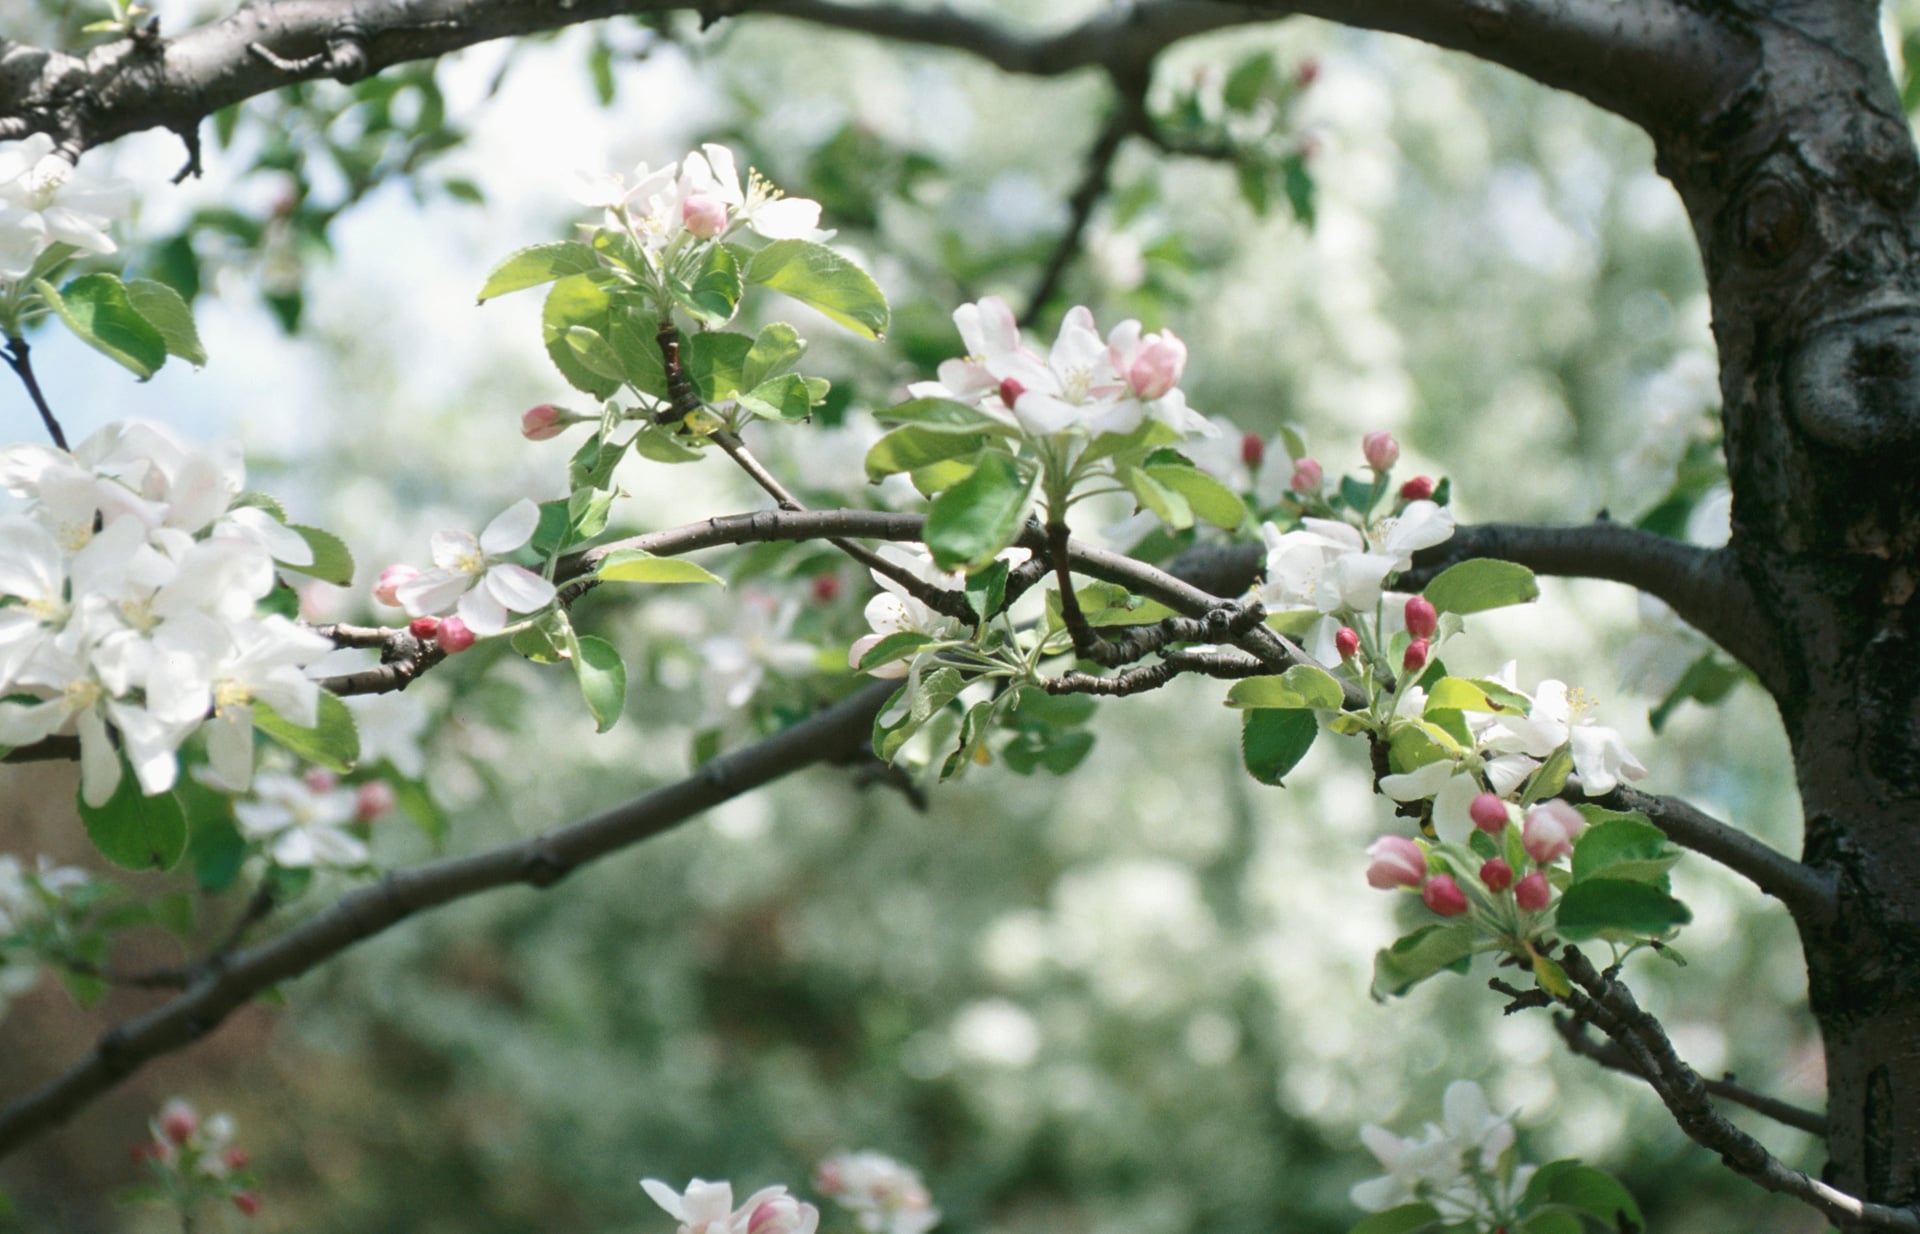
x=708, y=1208
x=470, y=576
x=1083, y=384
x=130, y=593
x=195, y=1160
x=309, y=820
x=884, y=1196
x=1462, y=1166
x=699, y=197
x=46, y=200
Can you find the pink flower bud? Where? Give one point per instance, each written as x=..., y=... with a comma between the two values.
x=423, y=628
x=1156, y=365
x=236, y=1158
x=1422, y=619
x=1443, y=896
x=1010, y=391
x=453, y=636
x=1397, y=862
x=1488, y=813
x=783, y=1215
x=1417, y=489
x=178, y=1122
x=372, y=800
x=1416, y=655
x=826, y=588
x=1532, y=892
x=1381, y=449
x=1496, y=874
x=1346, y=640
x=827, y=1178
x=542, y=422
x=1549, y=831
x=705, y=217
x=1253, y=451
x=390, y=582
x=1307, y=73
x=320, y=780
x=248, y=1202
x=1307, y=477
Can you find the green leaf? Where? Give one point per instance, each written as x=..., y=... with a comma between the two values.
x=915, y=446
x=1297, y=178
x=783, y=398
x=137, y=832
x=550, y=533
x=1478, y=585
x=715, y=291
x=632, y=565
x=603, y=679
x=1707, y=680
x=777, y=348
x=96, y=308
x=817, y=276
x=332, y=560
x=167, y=311
x=1413, y=746
x=661, y=445
x=928, y=695
x=591, y=348
x=1300, y=686
x=537, y=264
x=1058, y=753
x=548, y=640
x=974, y=728
x=1247, y=81
x=1417, y=956
x=987, y=589
x=1209, y=499
x=1167, y=506
x=1553, y=1221
x=1273, y=741
x=333, y=743
x=1579, y=1186
x=1457, y=694
x=979, y=516
x=942, y=414
x=714, y=362
x=893, y=647
x=1547, y=973
x=587, y=510
x=1618, y=908
x=578, y=300
x=639, y=352
x=1550, y=778
x=1406, y=1219
x=1626, y=846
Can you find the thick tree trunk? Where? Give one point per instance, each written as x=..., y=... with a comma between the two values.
x=1802, y=192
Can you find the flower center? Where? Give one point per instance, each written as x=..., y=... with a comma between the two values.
x=471, y=563
x=83, y=694
x=231, y=693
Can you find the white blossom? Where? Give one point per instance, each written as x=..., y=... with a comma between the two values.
x=45, y=200
x=884, y=1196
x=469, y=574
x=304, y=825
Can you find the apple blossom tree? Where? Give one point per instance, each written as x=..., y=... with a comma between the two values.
x=153, y=630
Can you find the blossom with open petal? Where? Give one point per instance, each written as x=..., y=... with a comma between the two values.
x=45, y=200
x=1452, y=790
x=737, y=660
x=1557, y=717
x=1325, y=565
x=304, y=824
x=203, y=664
x=704, y=1208
x=762, y=207
x=897, y=611
x=884, y=1195
x=469, y=574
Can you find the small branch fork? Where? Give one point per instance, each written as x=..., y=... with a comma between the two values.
x=1646, y=1050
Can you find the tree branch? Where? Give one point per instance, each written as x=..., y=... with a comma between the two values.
x=1610, y=1055
x=1810, y=895
x=836, y=732
x=1608, y=1005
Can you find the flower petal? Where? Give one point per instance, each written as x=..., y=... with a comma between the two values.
x=509, y=529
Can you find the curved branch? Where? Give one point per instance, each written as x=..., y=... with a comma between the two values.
x=1811, y=895
x=837, y=732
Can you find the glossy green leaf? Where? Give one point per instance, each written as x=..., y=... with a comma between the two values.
x=981, y=515
x=714, y=293
x=1058, y=753
x=715, y=362
x=942, y=414
x=1273, y=741
x=1406, y=1219
x=167, y=311
x=578, y=301
x=776, y=349
x=547, y=641
x=1300, y=686
x=1620, y=908
x=818, y=277
x=893, y=647
x=535, y=265
x=332, y=560
x=1626, y=846
x=632, y=565
x=1419, y=955
x=134, y=831
x=96, y=308
x=333, y=743
x=603, y=679
x=783, y=398
x=1167, y=506
x=1576, y=1185
x=1481, y=584
x=929, y=695
x=1207, y=497
x=914, y=447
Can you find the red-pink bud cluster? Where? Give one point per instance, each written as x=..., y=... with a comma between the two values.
x=1443, y=896
x=1253, y=450
x=1155, y=366
x=1307, y=478
x=1488, y=813
x=391, y=579
x=705, y=216
x=453, y=636
x=1396, y=862
x=1496, y=874
x=1416, y=656
x=1346, y=640
x=542, y=422
x=374, y=799
x=1550, y=830
x=1533, y=892
x=1417, y=489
